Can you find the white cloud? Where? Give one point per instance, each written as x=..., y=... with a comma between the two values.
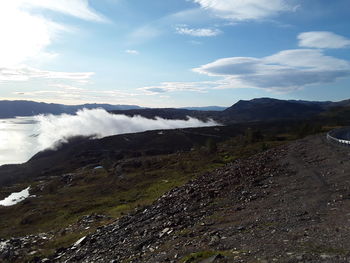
x=26, y=34
x=68, y=94
x=284, y=71
x=25, y=73
x=164, y=87
x=322, y=39
x=99, y=123
x=132, y=52
x=240, y=10
x=23, y=35
x=76, y=8
x=197, y=32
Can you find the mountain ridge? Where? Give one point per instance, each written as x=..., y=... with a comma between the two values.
x=10, y=109
x=23, y=108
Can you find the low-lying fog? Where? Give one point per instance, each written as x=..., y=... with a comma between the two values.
x=22, y=137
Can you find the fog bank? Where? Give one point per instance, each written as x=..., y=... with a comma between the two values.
x=50, y=129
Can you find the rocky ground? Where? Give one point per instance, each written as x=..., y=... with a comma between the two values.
x=288, y=204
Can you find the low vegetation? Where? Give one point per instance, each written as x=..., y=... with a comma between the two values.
x=116, y=188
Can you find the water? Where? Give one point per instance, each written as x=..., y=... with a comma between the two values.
x=15, y=198
x=22, y=137
x=17, y=139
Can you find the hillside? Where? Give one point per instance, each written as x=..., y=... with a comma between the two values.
x=270, y=109
x=90, y=183
x=288, y=204
x=95, y=185
x=81, y=152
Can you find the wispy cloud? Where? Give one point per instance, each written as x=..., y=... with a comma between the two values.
x=77, y=8
x=132, y=52
x=197, y=32
x=246, y=10
x=26, y=35
x=25, y=73
x=323, y=39
x=64, y=93
x=200, y=87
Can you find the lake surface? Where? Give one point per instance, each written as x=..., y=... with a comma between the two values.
x=17, y=139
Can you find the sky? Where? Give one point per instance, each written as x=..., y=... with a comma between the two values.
x=174, y=53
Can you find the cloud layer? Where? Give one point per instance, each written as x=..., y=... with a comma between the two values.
x=322, y=39
x=177, y=86
x=284, y=71
x=50, y=129
x=25, y=73
x=197, y=32
x=246, y=10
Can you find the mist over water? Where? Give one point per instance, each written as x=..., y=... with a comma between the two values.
x=17, y=139
x=21, y=138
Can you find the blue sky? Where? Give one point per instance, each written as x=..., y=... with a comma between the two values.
x=174, y=53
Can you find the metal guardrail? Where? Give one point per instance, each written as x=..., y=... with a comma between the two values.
x=334, y=136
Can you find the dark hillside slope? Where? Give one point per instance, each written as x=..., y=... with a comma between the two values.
x=80, y=152
x=265, y=109
x=262, y=109
x=288, y=204
x=169, y=113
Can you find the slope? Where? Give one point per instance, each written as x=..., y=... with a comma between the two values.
x=287, y=204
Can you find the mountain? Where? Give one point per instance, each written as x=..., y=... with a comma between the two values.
x=10, y=109
x=260, y=109
x=323, y=104
x=264, y=109
x=208, y=108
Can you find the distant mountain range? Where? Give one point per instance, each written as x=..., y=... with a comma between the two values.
x=209, y=108
x=261, y=109
x=10, y=109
